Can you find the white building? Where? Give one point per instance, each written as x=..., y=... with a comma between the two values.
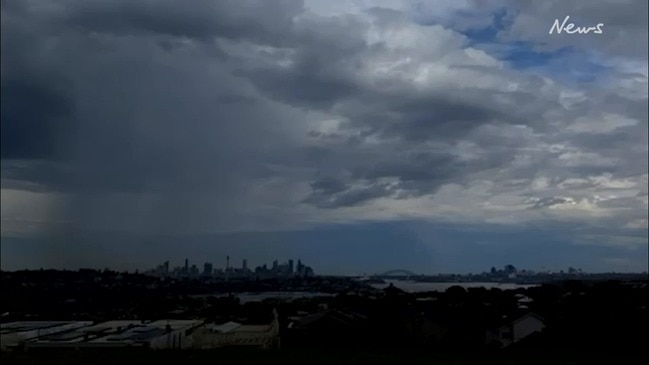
x=515, y=330
x=233, y=334
x=15, y=333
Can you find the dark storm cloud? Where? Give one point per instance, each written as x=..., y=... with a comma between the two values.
x=190, y=116
x=325, y=56
x=310, y=87
x=196, y=117
x=323, y=75
x=168, y=140
x=350, y=197
x=427, y=168
x=328, y=186
x=413, y=174
x=35, y=120
x=120, y=153
x=132, y=133
x=201, y=20
x=417, y=118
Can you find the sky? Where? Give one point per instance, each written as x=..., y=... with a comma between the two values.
x=358, y=136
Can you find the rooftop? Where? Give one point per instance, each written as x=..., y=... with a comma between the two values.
x=223, y=328
x=24, y=326
x=176, y=324
x=253, y=328
x=116, y=332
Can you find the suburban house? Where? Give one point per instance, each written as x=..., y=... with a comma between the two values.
x=511, y=331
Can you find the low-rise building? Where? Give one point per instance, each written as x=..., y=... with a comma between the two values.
x=179, y=334
x=14, y=334
x=161, y=334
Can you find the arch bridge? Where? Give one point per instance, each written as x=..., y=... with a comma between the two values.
x=398, y=272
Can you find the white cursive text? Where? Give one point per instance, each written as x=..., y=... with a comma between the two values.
x=571, y=29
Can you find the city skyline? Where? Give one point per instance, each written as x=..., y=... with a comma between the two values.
x=263, y=271
x=289, y=268
x=358, y=135
x=188, y=268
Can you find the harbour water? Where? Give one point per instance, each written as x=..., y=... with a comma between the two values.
x=415, y=287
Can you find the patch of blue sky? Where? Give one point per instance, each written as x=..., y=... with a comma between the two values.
x=489, y=33
x=464, y=20
x=521, y=55
x=568, y=65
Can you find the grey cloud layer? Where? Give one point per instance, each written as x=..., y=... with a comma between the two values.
x=201, y=115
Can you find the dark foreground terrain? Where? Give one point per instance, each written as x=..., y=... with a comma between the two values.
x=579, y=322
x=287, y=357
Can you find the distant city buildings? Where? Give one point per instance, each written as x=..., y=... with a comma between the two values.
x=511, y=272
x=292, y=268
x=286, y=270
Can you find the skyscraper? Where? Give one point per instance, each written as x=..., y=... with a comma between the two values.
x=194, y=271
x=244, y=265
x=186, y=266
x=290, y=267
x=207, y=269
x=308, y=272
